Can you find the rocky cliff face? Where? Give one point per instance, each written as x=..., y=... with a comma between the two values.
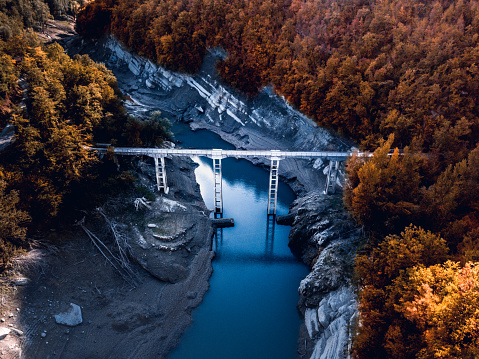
x=326, y=238
x=322, y=234
x=202, y=100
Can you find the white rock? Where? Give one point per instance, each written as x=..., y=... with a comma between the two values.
x=169, y=205
x=135, y=66
x=20, y=281
x=149, y=83
x=71, y=317
x=324, y=315
x=4, y=332
x=335, y=311
x=317, y=163
x=311, y=322
x=318, y=348
x=333, y=343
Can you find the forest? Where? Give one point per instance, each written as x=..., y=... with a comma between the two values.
x=399, y=77
x=58, y=105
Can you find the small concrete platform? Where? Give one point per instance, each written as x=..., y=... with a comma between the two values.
x=223, y=222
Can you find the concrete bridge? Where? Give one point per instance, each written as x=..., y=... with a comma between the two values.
x=217, y=155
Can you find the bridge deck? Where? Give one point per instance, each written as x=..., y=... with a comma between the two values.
x=161, y=152
x=217, y=154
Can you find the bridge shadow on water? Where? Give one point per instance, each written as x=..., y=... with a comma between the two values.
x=270, y=226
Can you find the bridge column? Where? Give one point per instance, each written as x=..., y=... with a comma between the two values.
x=273, y=185
x=161, y=174
x=217, y=156
x=331, y=178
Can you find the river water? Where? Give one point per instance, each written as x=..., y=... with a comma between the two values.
x=250, y=308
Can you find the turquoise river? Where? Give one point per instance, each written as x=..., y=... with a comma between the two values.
x=249, y=312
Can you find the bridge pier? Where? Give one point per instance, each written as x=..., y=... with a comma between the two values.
x=217, y=156
x=160, y=171
x=331, y=178
x=273, y=185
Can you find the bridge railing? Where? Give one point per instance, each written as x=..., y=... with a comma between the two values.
x=163, y=152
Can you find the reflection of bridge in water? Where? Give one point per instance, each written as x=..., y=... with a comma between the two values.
x=216, y=155
x=269, y=243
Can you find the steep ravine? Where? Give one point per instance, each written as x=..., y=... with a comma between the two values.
x=322, y=234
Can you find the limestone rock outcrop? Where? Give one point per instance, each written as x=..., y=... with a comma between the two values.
x=173, y=226
x=326, y=238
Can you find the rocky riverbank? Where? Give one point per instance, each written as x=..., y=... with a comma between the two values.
x=135, y=311
x=326, y=238
x=322, y=233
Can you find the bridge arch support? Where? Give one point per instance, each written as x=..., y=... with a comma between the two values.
x=217, y=156
x=331, y=177
x=160, y=171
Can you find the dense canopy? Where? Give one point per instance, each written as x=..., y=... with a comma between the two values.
x=388, y=73
x=365, y=68
x=373, y=70
x=57, y=105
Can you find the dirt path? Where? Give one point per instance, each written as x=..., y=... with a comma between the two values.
x=56, y=30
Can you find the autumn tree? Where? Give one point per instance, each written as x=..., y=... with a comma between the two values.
x=451, y=203
x=443, y=302
x=49, y=152
x=383, y=191
x=384, y=332
x=12, y=221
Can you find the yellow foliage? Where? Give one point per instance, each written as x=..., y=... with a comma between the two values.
x=446, y=309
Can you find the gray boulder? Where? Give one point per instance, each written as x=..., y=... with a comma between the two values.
x=71, y=317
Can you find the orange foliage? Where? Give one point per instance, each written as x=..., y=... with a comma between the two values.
x=444, y=305
x=384, y=192
x=371, y=70
x=384, y=331
x=366, y=69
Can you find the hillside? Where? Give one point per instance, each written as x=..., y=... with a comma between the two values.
x=389, y=74
x=57, y=105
